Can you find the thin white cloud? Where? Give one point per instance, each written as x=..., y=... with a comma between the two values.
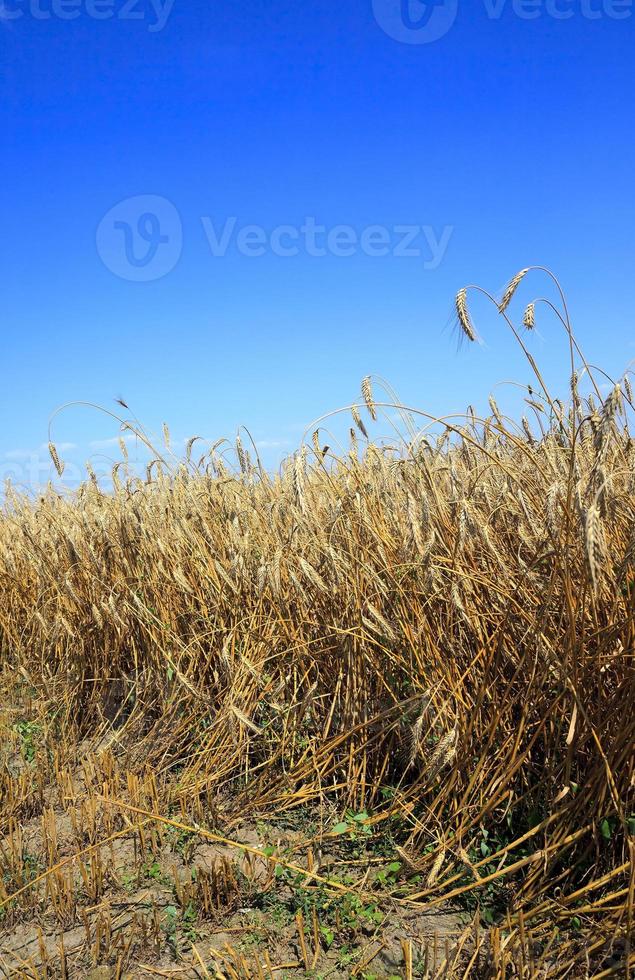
x=272, y=443
x=113, y=441
x=62, y=447
x=18, y=454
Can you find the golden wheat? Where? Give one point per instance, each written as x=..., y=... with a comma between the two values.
x=439, y=634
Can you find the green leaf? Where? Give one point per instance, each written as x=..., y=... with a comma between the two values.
x=394, y=867
x=171, y=915
x=328, y=936
x=360, y=817
x=605, y=827
x=340, y=828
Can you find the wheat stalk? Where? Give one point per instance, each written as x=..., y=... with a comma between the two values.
x=512, y=286
x=58, y=464
x=463, y=314
x=367, y=394
x=529, y=316
x=593, y=542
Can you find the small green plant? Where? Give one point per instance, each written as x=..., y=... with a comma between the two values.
x=327, y=935
x=129, y=881
x=491, y=899
x=169, y=927
x=184, y=840
x=354, y=913
x=154, y=872
x=389, y=874
x=607, y=828
x=189, y=917
x=354, y=824
x=28, y=733
x=346, y=956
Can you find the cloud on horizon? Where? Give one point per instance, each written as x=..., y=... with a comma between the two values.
x=62, y=447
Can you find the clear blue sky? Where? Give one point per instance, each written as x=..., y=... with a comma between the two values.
x=511, y=135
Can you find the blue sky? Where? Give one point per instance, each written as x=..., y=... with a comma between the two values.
x=505, y=141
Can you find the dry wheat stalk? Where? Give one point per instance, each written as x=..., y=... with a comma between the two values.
x=435, y=870
x=593, y=542
x=463, y=314
x=367, y=394
x=358, y=421
x=529, y=316
x=513, y=285
x=58, y=464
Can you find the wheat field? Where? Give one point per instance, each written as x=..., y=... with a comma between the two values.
x=371, y=715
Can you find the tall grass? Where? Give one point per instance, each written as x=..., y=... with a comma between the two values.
x=442, y=633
